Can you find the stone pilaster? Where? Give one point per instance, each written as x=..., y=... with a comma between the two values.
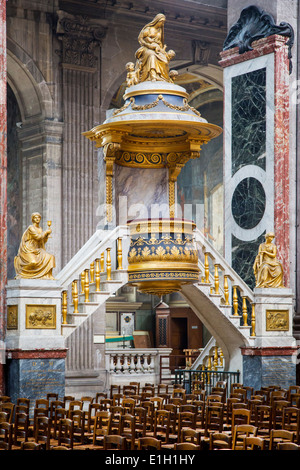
x=80, y=62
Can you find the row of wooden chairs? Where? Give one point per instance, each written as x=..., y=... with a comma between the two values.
x=156, y=416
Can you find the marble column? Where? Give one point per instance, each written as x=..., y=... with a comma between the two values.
x=3, y=189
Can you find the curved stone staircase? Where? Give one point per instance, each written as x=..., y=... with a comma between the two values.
x=99, y=269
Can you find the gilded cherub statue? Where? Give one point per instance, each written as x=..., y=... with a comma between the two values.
x=267, y=269
x=32, y=260
x=152, y=57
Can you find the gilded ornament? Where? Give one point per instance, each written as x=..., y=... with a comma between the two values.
x=41, y=316
x=12, y=317
x=267, y=269
x=277, y=320
x=32, y=260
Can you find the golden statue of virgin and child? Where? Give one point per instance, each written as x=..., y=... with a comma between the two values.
x=152, y=57
x=267, y=269
x=32, y=260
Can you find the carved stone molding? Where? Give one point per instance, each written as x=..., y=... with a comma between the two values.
x=253, y=24
x=79, y=39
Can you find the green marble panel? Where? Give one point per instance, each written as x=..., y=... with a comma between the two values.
x=248, y=203
x=248, y=120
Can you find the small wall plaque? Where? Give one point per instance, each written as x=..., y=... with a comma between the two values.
x=277, y=320
x=41, y=316
x=12, y=317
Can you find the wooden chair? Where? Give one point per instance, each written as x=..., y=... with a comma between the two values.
x=113, y=442
x=86, y=401
x=162, y=388
x=240, y=416
x=101, y=424
x=210, y=399
x=288, y=446
x=129, y=390
x=190, y=435
x=74, y=405
x=30, y=445
x=99, y=396
x=78, y=418
x=157, y=402
x=254, y=443
x=228, y=409
x=42, y=431
x=4, y=399
x=277, y=395
x=291, y=421
x=6, y=434
x=219, y=391
x=148, y=443
x=280, y=435
x=106, y=404
x=4, y=445
x=186, y=446
x=140, y=414
x=186, y=419
x=59, y=413
x=241, y=431
x=263, y=420
x=137, y=385
x=37, y=412
x=65, y=433
x=179, y=393
x=149, y=406
x=4, y=417
x=252, y=404
x=188, y=407
x=23, y=402
x=114, y=423
x=220, y=440
x=9, y=408
x=278, y=407
x=51, y=396
x=53, y=405
x=93, y=408
x=127, y=429
x=67, y=399
x=114, y=389
x=21, y=428
x=161, y=428
x=117, y=399
x=42, y=403
x=200, y=412
x=214, y=419
x=128, y=404
x=172, y=408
